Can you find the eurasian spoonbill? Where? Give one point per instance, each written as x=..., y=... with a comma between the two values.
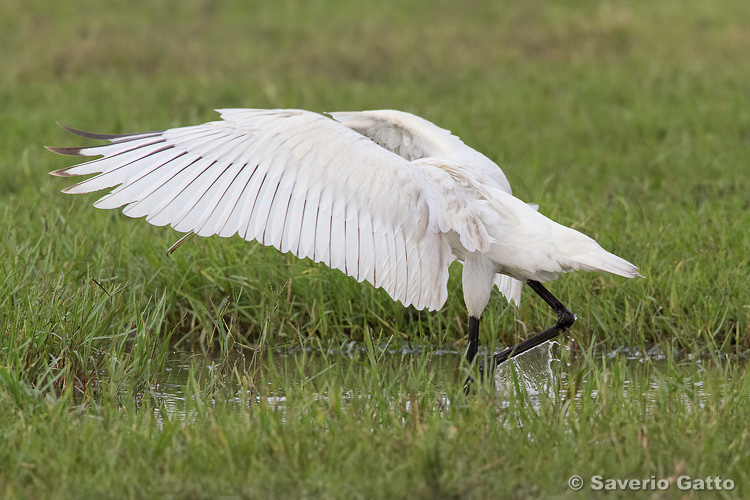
x=383, y=196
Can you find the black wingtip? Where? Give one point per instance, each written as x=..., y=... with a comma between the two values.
x=92, y=135
x=108, y=137
x=65, y=151
x=63, y=172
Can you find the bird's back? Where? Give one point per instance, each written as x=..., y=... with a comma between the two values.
x=530, y=246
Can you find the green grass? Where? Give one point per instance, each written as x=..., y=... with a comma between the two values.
x=628, y=121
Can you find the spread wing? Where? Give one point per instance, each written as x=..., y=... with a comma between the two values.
x=298, y=181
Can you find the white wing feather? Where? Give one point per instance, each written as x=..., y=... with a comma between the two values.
x=293, y=179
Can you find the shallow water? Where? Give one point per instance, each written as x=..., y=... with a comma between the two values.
x=533, y=374
x=170, y=396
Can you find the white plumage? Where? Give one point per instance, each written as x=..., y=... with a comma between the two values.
x=384, y=196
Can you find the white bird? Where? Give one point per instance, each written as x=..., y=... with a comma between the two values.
x=384, y=196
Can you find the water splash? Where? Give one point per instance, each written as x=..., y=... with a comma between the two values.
x=530, y=373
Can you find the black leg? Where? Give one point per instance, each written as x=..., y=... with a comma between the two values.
x=565, y=319
x=471, y=351
x=473, y=347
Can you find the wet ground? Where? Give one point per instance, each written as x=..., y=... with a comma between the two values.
x=536, y=374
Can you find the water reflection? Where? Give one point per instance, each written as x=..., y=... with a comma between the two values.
x=532, y=378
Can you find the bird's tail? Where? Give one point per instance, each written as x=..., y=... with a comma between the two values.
x=598, y=259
